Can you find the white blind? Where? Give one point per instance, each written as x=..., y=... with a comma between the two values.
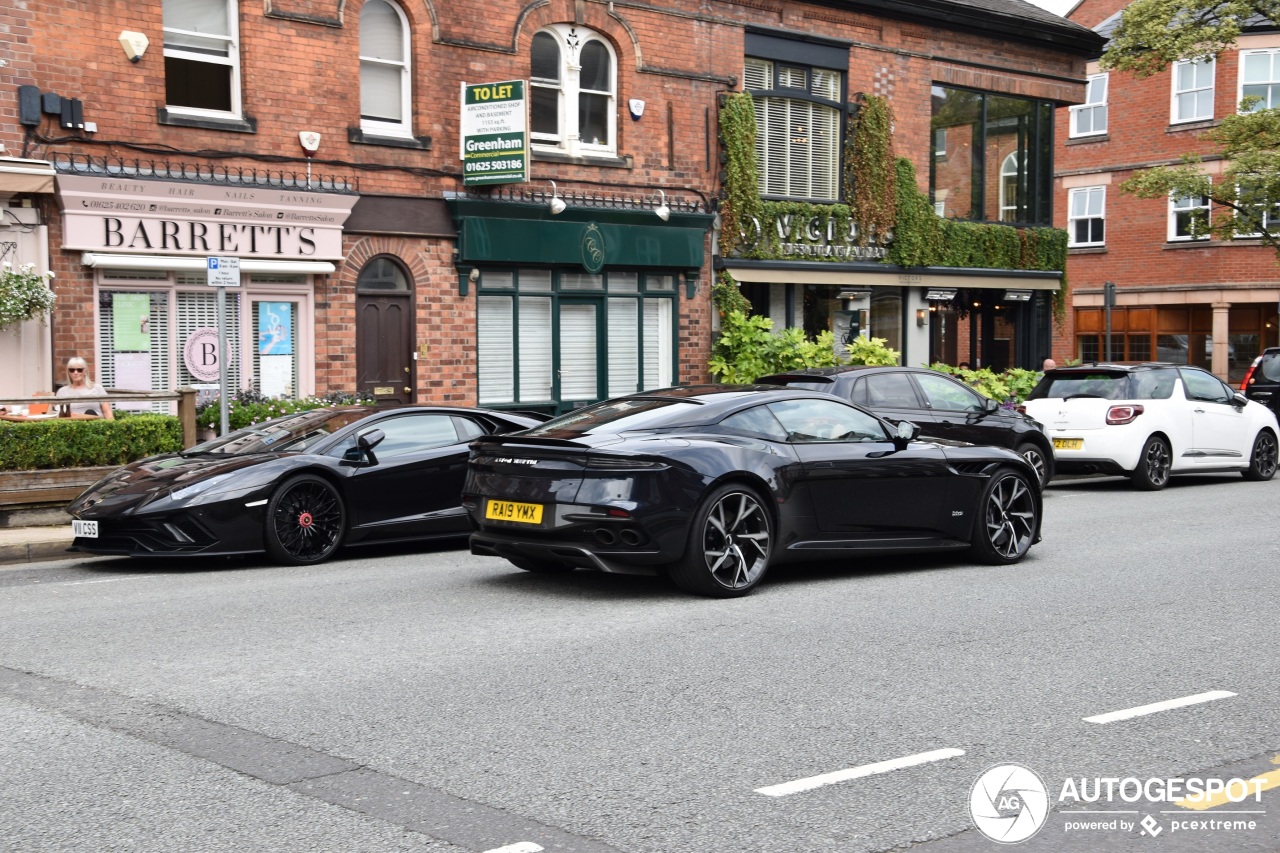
x=199, y=310
x=381, y=36
x=158, y=326
x=657, y=344
x=757, y=74
x=578, y=353
x=380, y=91
x=197, y=16
x=623, y=342
x=494, y=353
x=535, y=349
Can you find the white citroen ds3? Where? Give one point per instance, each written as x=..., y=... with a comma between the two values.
x=1151, y=421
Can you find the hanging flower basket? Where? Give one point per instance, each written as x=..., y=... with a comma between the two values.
x=24, y=295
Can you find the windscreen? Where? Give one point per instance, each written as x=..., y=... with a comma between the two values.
x=1107, y=385
x=296, y=432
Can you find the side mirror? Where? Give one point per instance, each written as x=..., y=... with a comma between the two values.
x=989, y=405
x=367, y=441
x=905, y=433
x=1240, y=399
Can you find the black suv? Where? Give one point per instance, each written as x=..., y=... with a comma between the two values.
x=943, y=407
x=1262, y=382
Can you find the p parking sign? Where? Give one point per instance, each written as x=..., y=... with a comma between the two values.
x=223, y=272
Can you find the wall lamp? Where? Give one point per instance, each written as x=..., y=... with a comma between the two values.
x=922, y=316
x=556, y=205
x=663, y=212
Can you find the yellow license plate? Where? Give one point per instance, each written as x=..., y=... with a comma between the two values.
x=511, y=511
x=1068, y=443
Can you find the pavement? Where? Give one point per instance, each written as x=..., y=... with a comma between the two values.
x=32, y=544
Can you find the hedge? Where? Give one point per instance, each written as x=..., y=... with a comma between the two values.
x=64, y=443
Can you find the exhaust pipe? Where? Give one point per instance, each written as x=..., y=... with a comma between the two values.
x=605, y=536
x=630, y=537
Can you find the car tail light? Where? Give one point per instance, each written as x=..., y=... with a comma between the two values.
x=1248, y=376
x=1020, y=409
x=1119, y=415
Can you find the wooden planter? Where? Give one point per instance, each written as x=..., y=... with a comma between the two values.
x=44, y=488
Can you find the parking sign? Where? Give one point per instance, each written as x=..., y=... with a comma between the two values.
x=223, y=272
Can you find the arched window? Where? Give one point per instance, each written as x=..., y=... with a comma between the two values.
x=1009, y=178
x=382, y=274
x=573, y=78
x=384, y=70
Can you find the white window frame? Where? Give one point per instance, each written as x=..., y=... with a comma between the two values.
x=232, y=60
x=1094, y=108
x=1273, y=83
x=1090, y=195
x=1183, y=205
x=387, y=127
x=1270, y=220
x=1175, y=117
x=1009, y=168
x=571, y=39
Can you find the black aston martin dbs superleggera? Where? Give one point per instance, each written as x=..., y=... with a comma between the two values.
x=297, y=487
x=714, y=484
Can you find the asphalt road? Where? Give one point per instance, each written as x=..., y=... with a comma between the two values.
x=414, y=700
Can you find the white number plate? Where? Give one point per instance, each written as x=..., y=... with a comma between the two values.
x=84, y=529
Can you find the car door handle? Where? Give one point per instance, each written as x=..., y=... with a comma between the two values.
x=1199, y=411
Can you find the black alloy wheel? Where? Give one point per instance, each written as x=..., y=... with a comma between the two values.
x=1152, y=473
x=729, y=544
x=1037, y=459
x=1008, y=518
x=305, y=521
x=1263, y=460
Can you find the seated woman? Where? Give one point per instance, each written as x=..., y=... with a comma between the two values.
x=79, y=385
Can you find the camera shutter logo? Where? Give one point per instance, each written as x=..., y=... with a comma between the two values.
x=1009, y=803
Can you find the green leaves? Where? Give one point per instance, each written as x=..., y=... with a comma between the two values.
x=24, y=294
x=1153, y=34
x=1246, y=187
x=64, y=443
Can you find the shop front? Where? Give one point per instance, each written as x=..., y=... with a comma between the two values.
x=983, y=318
x=144, y=247
x=576, y=305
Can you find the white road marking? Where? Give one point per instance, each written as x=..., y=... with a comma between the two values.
x=812, y=782
x=518, y=847
x=1157, y=707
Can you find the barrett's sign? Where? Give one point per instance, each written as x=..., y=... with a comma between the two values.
x=221, y=238
x=159, y=217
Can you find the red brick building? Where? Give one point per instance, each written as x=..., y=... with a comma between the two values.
x=164, y=133
x=1181, y=295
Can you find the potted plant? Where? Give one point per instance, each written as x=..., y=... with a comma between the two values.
x=24, y=294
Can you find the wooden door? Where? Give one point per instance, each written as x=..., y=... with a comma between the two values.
x=384, y=347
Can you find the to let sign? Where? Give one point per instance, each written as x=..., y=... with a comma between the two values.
x=495, y=147
x=223, y=272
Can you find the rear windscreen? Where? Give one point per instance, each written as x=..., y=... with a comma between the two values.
x=1106, y=385
x=1270, y=366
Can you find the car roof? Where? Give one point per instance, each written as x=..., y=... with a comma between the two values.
x=1110, y=365
x=809, y=373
